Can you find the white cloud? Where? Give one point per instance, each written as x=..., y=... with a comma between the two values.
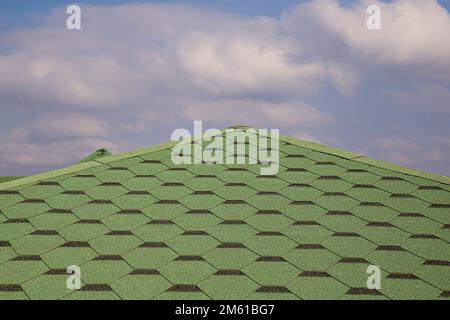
x=55, y=140
x=413, y=31
x=257, y=113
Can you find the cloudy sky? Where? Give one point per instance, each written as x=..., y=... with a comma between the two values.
x=137, y=71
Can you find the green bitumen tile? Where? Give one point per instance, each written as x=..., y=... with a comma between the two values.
x=310, y=214
x=360, y=177
x=83, y=231
x=134, y=200
x=9, y=198
x=33, y=244
x=266, y=221
x=430, y=249
x=300, y=192
x=353, y=275
x=124, y=163
x=270, y=245
x=408, y=289
x=432, y=195
x=106, y=192
x=374, y=213
x=271, y=273
x=41, y=191
x=267, y=183
x=268, y=201
x=201, y=201
x=339, y=202
x=297, y=176
x=175, y=175
x=236, y=176
x=25, y=210
x=47, y=287
x=235, y=192
x=52, y=221
x=405, y=204
x=13, y=295
x=383, y=234
x=80, y=183
x=437, y=213
x=164, y=210
x=232, y=232
x=204, y=183
x=149, y=257
x=350, y=164
x=92, y=295
x=115, y=175
x=294, y=150
x=114, y=244
x=63, y=257
x=322, y=157
x=186, y=271
x=349, y=246
x=341, y=223
x=168, y=295
x=436, y=275
x=443, y=233
x=233, y=210
x=395, y=186
x=416, y=224
x=92, y=170
x=95, y=210
x=363, y=297
x=67, y=201
x=395, y=260
x=226, y=287
x=147, y=168
x=160, y=155
x=9, y=231
x=17, y=272
x=125, y=221
x=197, y=221
x=272, y=296
x=196, y=245
x=140, y=287
x=330, y=184
x=157, y=231
x=384, y=172
x=311, y=259
x=303, y=211
x=209, y=169
x=307, y=232
x=366, y=193
x=313, y=288
x=6, y=253
x=232, y=258
x=171, y=192
x=104, y=271
x=141, y=183
x=323, y=169
x=296, y=162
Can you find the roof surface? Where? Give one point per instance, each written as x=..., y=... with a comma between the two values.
x=140, y=227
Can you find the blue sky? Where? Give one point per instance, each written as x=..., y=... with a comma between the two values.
x=138, y=70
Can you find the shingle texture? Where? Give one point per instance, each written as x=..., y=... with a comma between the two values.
x=140, y=227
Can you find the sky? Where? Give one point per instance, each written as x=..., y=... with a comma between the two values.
x=136, y=71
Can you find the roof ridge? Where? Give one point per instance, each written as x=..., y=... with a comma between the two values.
x=301, y=143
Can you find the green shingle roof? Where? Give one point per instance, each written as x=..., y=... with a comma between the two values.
x=141, y=227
